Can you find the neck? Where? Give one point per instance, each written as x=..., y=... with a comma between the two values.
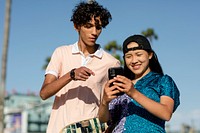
x=88, y=49
x=139, y=76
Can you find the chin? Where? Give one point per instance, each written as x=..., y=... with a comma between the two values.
x=137, y=72
x=91, y=43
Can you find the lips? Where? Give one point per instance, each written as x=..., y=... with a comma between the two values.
x=92, y=39
x=136, y=67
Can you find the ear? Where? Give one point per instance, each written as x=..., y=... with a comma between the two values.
x=150, y=55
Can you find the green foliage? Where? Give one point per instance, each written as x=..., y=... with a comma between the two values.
x=149, y=33
x=112, y=47
x=117, y=56
x=46, y=63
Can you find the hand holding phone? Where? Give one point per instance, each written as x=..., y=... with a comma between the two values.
x=113, y=72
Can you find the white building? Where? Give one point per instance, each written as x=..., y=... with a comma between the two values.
x=26, y=114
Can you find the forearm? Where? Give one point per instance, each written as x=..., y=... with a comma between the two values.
x=51, y=88
x=103, y=112
x=156, y=108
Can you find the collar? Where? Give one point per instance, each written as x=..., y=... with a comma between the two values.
x=98, y=53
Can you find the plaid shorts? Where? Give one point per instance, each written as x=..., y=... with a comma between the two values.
x=86, y=126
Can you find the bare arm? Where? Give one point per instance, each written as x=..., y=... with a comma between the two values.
x=109, y=94
x=104, y=112
x=52, y=85
x=162, y=109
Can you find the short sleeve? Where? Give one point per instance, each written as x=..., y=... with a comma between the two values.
x=55, y=63
x=169, y=88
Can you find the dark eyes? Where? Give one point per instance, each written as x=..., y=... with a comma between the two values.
x=130, y=55
x=138, y=54
x=98, y=27
x=88, y=25
x=127, y=55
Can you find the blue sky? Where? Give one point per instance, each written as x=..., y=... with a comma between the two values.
x=39, y=26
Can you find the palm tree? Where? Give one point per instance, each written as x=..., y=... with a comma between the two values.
x=113, y=47
x=150, y=34
x=4, y=63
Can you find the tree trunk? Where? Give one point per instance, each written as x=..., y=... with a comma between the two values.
x=4, y=63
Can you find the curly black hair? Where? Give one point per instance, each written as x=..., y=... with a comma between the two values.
x=84, y=11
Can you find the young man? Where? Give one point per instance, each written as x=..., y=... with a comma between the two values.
x=77, y=72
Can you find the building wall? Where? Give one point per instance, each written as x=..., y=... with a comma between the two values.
x=26, y=114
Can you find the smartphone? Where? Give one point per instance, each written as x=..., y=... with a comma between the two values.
x=113, y=72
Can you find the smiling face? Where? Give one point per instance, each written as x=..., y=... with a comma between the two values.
x=138, y=60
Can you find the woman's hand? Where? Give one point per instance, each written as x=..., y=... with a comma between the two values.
x=124, y=84
x=110, y=91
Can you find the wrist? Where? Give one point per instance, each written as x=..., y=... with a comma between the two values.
x=104, y=103
x=72, y=74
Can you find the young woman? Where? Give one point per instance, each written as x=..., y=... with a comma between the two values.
x=150, y=97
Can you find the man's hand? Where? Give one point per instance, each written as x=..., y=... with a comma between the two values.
x=83, y=73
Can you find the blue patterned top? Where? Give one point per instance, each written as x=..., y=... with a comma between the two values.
x=128, y=116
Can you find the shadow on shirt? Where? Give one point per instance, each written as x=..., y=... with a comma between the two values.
x=83, y=93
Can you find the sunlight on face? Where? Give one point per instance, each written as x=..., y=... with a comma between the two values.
x=137, y=60
x=89, y=33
